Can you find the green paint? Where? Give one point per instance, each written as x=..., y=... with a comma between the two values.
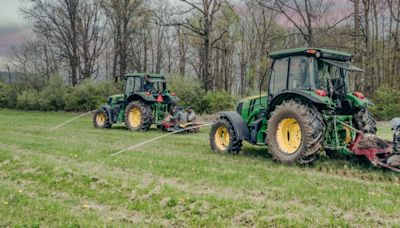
x=150, y=75
x=357, y=102
x=134, y=91
x=256, y=110
x=335, y=132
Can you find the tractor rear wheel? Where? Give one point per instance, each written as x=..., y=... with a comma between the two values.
x=364, y=121
x=138, y=116
x=223, y=137
x=295, y=133
x=101, y=119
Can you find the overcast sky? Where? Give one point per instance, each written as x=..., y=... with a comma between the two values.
x=12, y=26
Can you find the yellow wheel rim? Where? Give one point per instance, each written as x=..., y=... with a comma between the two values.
x=288, y=135
x=100, y=119
x=222, y=138
x=135, y=117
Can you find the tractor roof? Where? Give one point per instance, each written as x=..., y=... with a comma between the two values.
x=150, y=75
x=325, y=53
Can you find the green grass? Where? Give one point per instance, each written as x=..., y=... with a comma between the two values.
x=68, y=178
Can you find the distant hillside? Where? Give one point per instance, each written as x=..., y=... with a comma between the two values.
x=6, y=77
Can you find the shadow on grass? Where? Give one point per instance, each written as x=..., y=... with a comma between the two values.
x=341, y=165
x=260, y=152
x=124, y=128
x=356, y=166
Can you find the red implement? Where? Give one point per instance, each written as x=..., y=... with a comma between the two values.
x=376, y=150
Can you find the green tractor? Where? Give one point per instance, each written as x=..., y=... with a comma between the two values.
x=146, y=101
x=309, y=108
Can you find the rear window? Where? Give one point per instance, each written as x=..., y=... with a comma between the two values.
x=298, y=77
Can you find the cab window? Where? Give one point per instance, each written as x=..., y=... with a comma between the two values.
x=133, y=85
x=298, y=77
x=278, y=81
x=329, y=75
x=158, y=86
x=138, y=85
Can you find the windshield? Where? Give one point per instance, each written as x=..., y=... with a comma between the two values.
x=158, y=86
x=331, y=78
x=154, y=85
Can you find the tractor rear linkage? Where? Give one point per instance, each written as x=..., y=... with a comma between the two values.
x=377, y=151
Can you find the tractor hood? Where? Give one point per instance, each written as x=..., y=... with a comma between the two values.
x=115, y=98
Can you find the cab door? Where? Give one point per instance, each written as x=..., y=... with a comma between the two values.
x=279, y=75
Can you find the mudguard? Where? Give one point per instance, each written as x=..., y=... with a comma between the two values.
x=110, y=112
x=306, y=95
x=239, y=126
x=141, y=96
x=357, y=102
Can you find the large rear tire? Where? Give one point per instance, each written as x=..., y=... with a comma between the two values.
x=295, y=133
x=364, y=121
x=101, y=119
x=223, y=137
x=138, y=116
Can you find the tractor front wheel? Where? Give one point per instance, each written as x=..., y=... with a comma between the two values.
x=138, y=116
x=295, y=133
x=223, y=137
x=101, y=119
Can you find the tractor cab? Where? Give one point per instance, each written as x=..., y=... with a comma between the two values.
x=152, y=83
x=319, y=75
x=148, y=88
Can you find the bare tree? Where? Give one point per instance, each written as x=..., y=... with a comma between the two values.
x=33, y=63
x=182, y=49
x=74, y=28
x=124, y=17
x=58, y=21
x=307, y=16
x=92, y=38
x=203, y=27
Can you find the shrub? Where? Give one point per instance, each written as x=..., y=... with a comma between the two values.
x=387, y=103
x=8, y=95
x=53, y=95
x=90, y=95
x=191, y=93
x=218, y=101
x=29, y=100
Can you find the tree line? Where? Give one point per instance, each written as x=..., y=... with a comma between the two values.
x=222, y=44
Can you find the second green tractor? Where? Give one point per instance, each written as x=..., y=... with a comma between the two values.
x=146, y=101
x=309, y=108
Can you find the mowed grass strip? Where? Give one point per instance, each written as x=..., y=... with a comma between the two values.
x=67, y=177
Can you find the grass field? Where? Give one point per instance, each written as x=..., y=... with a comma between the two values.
x=67, y=178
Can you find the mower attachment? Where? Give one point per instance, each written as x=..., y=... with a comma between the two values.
x=188, y=127
x=376, y=150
